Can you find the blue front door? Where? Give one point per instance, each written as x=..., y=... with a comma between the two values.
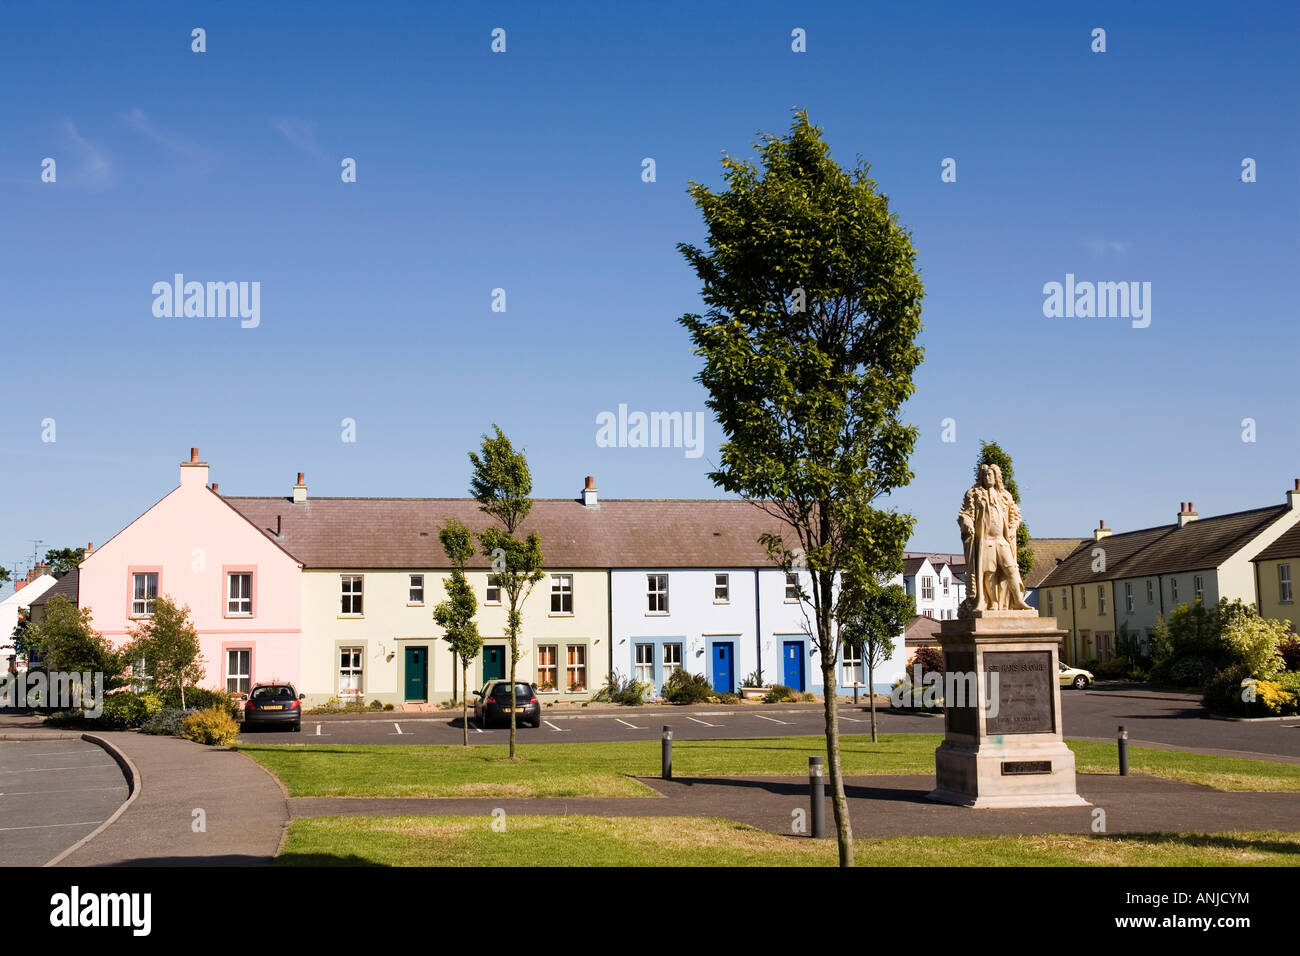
x=722, y=681
x=792, y=668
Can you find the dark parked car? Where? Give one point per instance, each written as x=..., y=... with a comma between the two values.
x=273, y=705
x=493, y=704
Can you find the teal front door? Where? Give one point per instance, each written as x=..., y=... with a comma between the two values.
x=417, y=673
x=494, y=662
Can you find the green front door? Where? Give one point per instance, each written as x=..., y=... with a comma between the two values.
x=417, y=673
x=494, y=662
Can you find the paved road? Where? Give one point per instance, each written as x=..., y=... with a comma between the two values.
x=1151, y=718
x=53, y=792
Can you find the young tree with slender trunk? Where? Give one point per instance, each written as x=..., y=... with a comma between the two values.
x=168, y=646
x=456, y=614
x=502, y=485
x=814, y=305
x=872, y=615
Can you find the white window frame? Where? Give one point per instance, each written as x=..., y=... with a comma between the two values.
x=569, y=684
x=644, y=670
x=852, y=660
x=489, y=590
x=671, y=666
x=1083, y=599
x=1151, y=592
x=1173, y=590
x=792, y=587
x=354, y=597
x=243, y=670
x=1101, y=599
x=1051, y=604
x=1065, y=599
x=552, y=668
x=1128, y=597
x=562, y=588
x=1198, y=588
x=721, y=588
x=245, y=599
x=356, y=667
x=143, y=606
x=412, y=587
x=1285, y=595
x=656, y=585
x=927, y=588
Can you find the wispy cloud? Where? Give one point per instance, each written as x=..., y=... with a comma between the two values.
x=96, y=169
x=200, y=159
x=301, y=134
x=1103, y=247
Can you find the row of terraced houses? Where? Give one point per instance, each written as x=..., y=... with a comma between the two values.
x=336, y=595
x=1123, y=582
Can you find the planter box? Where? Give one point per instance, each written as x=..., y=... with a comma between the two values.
x=753, y=693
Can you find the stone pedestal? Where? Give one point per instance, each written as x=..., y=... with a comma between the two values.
x=1005, y=753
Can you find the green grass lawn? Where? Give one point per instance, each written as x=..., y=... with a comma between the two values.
x=696, y=841
x=608, y=769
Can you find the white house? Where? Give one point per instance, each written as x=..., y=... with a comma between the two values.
x=27, y=592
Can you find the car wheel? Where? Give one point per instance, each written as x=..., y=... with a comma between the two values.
x=1080, y=682
x=297, y=728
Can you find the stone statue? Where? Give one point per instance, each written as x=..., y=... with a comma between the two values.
x=989, y=519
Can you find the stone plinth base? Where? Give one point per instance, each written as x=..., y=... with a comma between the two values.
x=1006, y=752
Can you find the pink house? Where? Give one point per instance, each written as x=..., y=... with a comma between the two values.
x=244, y=592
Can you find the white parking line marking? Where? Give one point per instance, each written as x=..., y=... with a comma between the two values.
x=853, y=720
x=318, y=733
x=704, y=722
x=399, y=730
x=563, y=730
x=48, y=826
x=626, y=724
x=477, y=728
x=772, y=719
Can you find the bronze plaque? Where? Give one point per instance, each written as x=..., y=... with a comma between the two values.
x=1012, y=768
x=1026, y=701
x=959, y=720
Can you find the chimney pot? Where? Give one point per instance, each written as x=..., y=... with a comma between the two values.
x=591, y=482
x=1297, y=484
x=194, y=454
x=1191, y=507
x=300, y=489
x=214, y=488
x=301, y=476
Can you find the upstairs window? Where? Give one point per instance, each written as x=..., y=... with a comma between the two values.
x=561, y=593
x=144, y=592
x=415, y=590
x=350, y=593
x=721, y=589
x=656, y=593
x=239, y=594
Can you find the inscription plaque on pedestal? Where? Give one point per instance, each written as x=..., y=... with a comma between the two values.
x=1026, y=704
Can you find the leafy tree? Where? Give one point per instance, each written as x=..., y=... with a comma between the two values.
x=4, y=575
x=991, y=453
x=456, y=614
x=814, y=305
x=872, y=616
x=1256, y=642
x=168, y=647
x=64, y=640
x=63, y=560
x=502, y=485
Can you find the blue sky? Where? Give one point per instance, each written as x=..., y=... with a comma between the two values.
x=522, y=171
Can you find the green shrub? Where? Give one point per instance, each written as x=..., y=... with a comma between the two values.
x=628, y=692
x=686, y=688
x=388, y=707
x=728, y=698
x=197, y=698
x=1191, y=671
x=165, y=723
x=780, y=694
x=754, y=679
x=809, y=698
x=1222, y=693
x=212, y=726
x=1118, y=668
x=1290, y=651
x=126, y=710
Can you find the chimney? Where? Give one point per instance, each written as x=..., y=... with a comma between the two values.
x=589, y=493
x=1293, y=497
x=19, y=585
x=40, y=568
x=1102, y=531
x=300, y=489
x=1187, y=514
x=194, y=472
x=214, y=489
x=90, y=549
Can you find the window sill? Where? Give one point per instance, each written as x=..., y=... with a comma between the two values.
x=350, y=617
x=656, y=614
x=414, y=604
x=716, y=601
x=560, y=614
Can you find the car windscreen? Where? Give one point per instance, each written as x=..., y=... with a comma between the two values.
x=273, y=693
x=521, y=690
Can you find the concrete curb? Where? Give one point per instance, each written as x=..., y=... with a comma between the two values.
x=133, y=785
x=37, y=735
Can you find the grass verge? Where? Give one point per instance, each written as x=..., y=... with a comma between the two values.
x=608, y=769
x=696, y=841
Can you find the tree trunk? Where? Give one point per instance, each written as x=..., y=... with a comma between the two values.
x=843, y=828
x=514, y=657
x=871, y=689
x=182, y=695
x=464, y=701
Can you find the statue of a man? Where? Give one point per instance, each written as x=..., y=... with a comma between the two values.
x=989, y=519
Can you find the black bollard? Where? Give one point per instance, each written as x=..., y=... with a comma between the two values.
x=817, y=794
x=666, y=770
x=1123, y=752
